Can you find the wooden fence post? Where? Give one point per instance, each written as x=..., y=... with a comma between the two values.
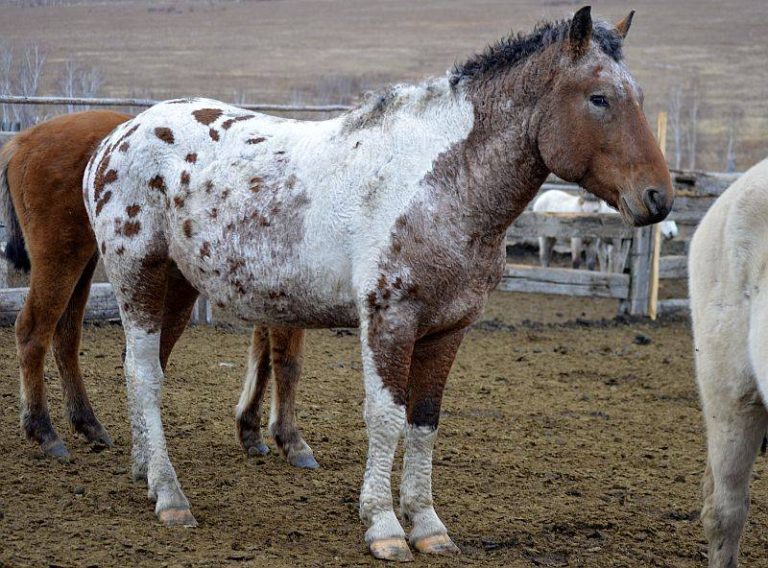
x=653, y=297
x=640, y=257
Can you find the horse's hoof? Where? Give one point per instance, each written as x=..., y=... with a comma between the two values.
x=303, y=461
x=177, y=518
x=259, y=449
x=56, y=449
x=436, y=544
x=101, y=441
x=391, y=549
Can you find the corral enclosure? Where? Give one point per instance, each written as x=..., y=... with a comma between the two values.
x=568, y=438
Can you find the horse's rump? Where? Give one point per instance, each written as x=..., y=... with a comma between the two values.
x=15, y=249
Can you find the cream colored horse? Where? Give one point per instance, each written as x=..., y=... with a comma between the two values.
x=729, y=304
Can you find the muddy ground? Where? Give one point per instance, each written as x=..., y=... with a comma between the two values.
x=562, y=443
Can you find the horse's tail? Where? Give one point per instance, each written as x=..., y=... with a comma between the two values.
x=15, y=250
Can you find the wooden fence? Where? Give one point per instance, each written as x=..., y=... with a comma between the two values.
x=634, y=288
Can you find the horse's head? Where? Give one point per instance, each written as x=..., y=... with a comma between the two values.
x=592, y=128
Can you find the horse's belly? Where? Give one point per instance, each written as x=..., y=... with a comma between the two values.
x=295, y=310
x=265, y=291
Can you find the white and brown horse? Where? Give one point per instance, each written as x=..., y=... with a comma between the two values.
x=41, y=173
x=391, y=217
x=729, y=309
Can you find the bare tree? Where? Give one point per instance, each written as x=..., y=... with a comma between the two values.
x=30, y=71
x=6, y=82
x=733, y=122
x=694, y=103
x=674, y=114
x=78, y=80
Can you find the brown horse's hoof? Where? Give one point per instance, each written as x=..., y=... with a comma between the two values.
x=101, y=441
x=436, y=544
x=177, y=518
x=56, y=449
x=391, y=549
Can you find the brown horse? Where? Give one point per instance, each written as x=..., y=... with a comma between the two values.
x=390, y=217
x=41, y=171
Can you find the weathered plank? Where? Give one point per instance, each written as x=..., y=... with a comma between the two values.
x=101, y=303
x=673, y=266
x=640, y=269
x=701, y=183
x=523, y=278
x=568, y=225
x=671, y=307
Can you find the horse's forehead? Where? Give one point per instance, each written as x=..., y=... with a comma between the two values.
x=617, y=74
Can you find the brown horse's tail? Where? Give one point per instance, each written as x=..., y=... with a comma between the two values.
x=15, y=250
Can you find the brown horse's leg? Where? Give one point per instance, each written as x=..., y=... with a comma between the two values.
x=248, y=416
x=179, y=301
x=287, y=360
x=430, y=365
x=52, y=282
x=66, y=349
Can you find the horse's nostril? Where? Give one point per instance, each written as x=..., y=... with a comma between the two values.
x=654, y=201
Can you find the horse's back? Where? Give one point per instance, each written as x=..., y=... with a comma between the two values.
x=51, y=156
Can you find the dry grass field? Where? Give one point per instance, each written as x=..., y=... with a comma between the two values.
x=268, y=50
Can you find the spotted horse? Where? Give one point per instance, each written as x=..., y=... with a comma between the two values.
x=41, y=173
x=390, y=217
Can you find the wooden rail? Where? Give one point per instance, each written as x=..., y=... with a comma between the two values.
x=116, y=101
x=524, y=278
x=102, y=304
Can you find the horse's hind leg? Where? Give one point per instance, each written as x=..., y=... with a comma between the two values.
x=52, y=281
x=180, y=299
x=248, y=415
x=140, y=279
x=736, y=422
x=66, y=350
x=287, y=359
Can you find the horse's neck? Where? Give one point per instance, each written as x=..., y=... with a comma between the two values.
x=494, y=174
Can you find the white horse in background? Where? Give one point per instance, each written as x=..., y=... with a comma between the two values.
x=556, y=201
x=608, y=256
x=729, y=308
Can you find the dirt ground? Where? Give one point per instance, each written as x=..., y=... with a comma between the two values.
x=564, y=441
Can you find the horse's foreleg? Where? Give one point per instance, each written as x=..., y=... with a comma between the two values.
x=430, y=365
x=287, y=360
x=386, y=354
x=52, y=282
x=591, y=253
x=576, y=249
x=257, y=376
x=66, y=351
x=546, y=246
x=736, y=423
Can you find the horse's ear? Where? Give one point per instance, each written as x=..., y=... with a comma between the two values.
x=623, y=26
x=581, y=32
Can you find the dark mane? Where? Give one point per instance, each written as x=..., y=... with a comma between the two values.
x=515, y=48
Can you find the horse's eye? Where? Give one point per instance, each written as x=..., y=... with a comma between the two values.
x=599, y=101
